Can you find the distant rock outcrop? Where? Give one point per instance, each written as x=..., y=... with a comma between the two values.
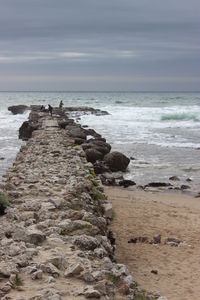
x=18, y=109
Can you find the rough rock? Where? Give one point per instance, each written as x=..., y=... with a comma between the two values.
x=99, y=168
x=173, y=241
x=26, y=130
x=99, y=145
x=77, y=132
x=79, y=141
x=86, y=242
x=64, y=123
x=93, y=133
x=129, y=281
x=74, y=269
x=18, y=109
x=158, y=184
x=93, y=155
x=4, y=270
x=157, y=239
x=51, y=269
x=185, y=187
x=116, y=161
x=188, y=179
x=126, y=183
x=108, y=211
x=174, y=178
x=90, y=292
x=35, y=236
x=37, y=275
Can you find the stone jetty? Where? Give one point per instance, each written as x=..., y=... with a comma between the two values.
x=54, y=239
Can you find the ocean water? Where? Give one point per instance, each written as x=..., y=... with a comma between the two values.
x=161, y=131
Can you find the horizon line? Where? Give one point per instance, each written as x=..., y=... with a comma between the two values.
x=89, y=91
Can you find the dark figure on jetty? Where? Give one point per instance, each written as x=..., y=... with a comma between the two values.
x=50, y=109
x=61, y=104
x=42, y=108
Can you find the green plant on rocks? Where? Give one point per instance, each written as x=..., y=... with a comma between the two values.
x=56, y=264
x=73, y=145
x=63, y=232
x=95, y=183
x=97, y=195
x=140, y=296
x=113, y=278
x=92, y=172
x=17, y=282
x=97, y=210
x=4, y=202
x=75, y=227
x=143, y=295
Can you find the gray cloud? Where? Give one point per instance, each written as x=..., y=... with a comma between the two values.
x=97, y=45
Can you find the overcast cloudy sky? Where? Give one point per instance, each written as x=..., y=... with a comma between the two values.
x=100, y=45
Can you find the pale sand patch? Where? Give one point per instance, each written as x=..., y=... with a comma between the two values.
x=146, y=214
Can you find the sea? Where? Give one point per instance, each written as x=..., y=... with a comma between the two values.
x=159, y=131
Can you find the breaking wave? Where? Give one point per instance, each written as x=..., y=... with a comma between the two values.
x=180, y=117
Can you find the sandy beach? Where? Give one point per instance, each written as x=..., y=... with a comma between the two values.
x=139, y=213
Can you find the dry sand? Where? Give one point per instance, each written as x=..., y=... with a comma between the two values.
x=146, y=214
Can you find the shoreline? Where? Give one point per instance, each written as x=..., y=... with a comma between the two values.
x=148, y=214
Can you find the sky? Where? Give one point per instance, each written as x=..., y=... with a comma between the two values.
x=100, y=45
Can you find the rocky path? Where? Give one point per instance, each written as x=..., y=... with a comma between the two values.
x=53, y=238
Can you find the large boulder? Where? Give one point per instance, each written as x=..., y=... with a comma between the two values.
x=63, y=123
x=92, y=132
x=25, y=131
x=76, y=132
x=92, y=155
x=101, y=146
x=100, y=167
x=116, y=161
x=18, y=109
x=98, y=145
x=79, y=141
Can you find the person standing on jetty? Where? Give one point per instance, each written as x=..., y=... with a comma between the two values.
x=42, y=108
x=50, y=108
x=61, y=104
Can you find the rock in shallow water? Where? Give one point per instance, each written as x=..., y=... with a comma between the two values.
x=93, y=155
x=18, y=109
x=116, y=161
x=158, y=184
x=126, y=183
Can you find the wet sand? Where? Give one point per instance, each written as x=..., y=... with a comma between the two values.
x=171, y=215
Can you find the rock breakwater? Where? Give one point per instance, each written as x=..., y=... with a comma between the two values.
x=54, y=241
